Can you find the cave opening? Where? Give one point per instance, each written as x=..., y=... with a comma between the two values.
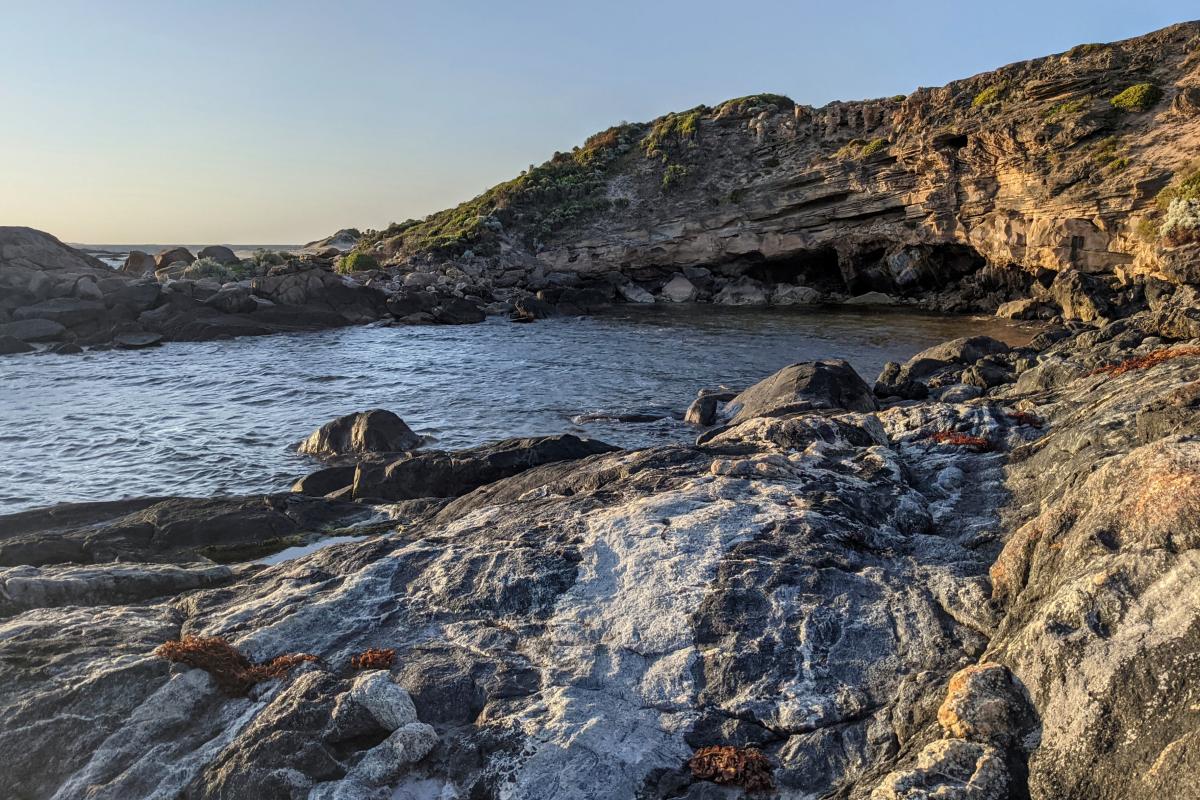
x=817, y=268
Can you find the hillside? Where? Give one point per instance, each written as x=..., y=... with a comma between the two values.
x=1049, y=164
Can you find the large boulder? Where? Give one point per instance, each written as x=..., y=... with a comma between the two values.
x=680, y=290
x=33, y=330
x=220, y=254
x=317, y=287
x=10, y=345
x=743, y=292
x=361, y=433
x=807, y=386
x=138, y=263
x=68, y=311
x=29, y=249
x=173, y=255
x=1086, y=298
x=439, y=473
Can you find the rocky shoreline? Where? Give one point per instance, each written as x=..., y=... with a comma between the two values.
x=975, y=579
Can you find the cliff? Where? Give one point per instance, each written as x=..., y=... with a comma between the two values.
x=980, y=186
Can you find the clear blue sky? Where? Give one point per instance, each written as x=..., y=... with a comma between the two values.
x=280, y=121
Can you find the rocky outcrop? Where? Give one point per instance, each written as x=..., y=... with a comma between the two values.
x=366, y=432
x=959, y=197
x=51, y=293
x=887, y=599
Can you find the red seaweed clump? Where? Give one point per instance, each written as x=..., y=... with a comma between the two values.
x=234, y=673
x=976, y=443
x=733, y=766
x=374, y=658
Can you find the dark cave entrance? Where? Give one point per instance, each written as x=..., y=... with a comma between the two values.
x=914, y=269
x=816, y=268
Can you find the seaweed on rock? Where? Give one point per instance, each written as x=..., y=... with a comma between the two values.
x=233, y=672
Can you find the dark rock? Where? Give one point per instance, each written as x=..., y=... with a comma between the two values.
x=67, y=311
x=232, y=300
x=703, y=410
x=325, y=481
x=33, y=330
x=220, y=254
x=455, y=311
x=449, y=474
x=10, y=345
x=407, y=302
x=831, y=384
x=364, y=432
x=139, y=263
x=531, y=308
x=136, y=340
x=66, y=349
x=172, y=255
x=1083, y=297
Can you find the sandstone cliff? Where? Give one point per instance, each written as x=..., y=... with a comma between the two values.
x=978, y=186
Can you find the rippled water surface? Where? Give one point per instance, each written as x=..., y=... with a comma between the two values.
x=223, y=417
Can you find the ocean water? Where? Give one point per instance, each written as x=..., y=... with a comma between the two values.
x=211, y=418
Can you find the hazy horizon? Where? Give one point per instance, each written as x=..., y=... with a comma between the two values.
x=138, y=122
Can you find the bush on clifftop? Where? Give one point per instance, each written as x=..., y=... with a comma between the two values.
x=1139, y=97
x=357, y=262
x=989, y=96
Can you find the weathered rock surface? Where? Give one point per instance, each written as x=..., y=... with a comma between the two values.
x=362, y=433
x=963, y=196
x=882, y=606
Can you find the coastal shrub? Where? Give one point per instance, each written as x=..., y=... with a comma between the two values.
x=989, y=96
x=1176, y=210
x=233, y=672
x=542, y=199
x=1139, y=97
x=268, y=258
x=861, y=148
x=357, y=262
x=898, y=98
x=374, y=658
x=752, y=104
x=1108, y=154
x=1067, y=108
x=210, y=268
x=1181, y=224
x=733, y=766
x=673, y=175
x=1152, y=359
x=1184, y=186
x=672, y=130
x=977, y=443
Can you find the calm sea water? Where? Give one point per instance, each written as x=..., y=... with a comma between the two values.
x=223, y=417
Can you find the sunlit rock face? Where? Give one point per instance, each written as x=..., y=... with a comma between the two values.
x=978, y=187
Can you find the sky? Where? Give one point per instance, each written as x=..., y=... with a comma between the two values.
x=281, y=121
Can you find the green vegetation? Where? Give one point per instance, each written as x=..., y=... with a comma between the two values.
x=1081, y=50
x=210, y=268
x=673, y=175
x=752, y=104
x=357, y=262
x=899, y=98
x=990, y=96
x=1184, y=186
x=1139, y=97
x=1108, y=154
x=1179, y=203
x=861, y=149
x=268, y=258
x=541, y=200
x=1068, y=108
x=671, y=130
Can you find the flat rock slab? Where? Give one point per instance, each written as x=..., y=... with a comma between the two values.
x=33, y=330
x=136, y=341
